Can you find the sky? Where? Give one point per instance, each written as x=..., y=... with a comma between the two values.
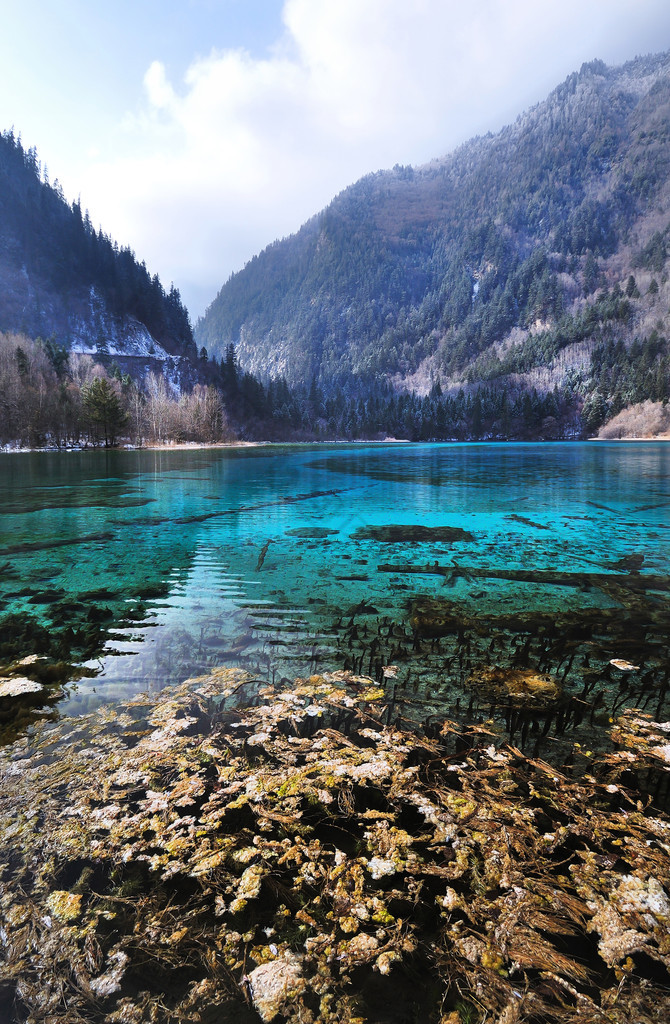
x=199, y=131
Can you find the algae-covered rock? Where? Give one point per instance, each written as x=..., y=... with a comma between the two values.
x=19, y=686
x=518, y=687
x=275, y=984
x=66, y=906
x=435, y=617
x=30, y=659
x=644, y=744
x=109, y=983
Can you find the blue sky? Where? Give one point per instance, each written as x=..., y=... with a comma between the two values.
x=198, y=131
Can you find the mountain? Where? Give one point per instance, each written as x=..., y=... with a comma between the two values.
x=93, y=349
x=529, y=265
x=62, y=280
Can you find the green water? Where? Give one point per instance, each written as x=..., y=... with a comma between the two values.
x=172, y=562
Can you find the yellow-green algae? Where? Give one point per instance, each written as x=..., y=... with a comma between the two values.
x=305, y=861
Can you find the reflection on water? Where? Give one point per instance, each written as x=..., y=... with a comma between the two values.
x=555, y=560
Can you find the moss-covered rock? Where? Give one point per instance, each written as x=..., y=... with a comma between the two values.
x=518, y=687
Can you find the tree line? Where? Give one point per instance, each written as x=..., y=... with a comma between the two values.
x=280, y=411
x=51, y=397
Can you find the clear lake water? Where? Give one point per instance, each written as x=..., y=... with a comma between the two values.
x=547, y=557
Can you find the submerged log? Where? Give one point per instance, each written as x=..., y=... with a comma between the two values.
x=412, y=533
x=635, y=582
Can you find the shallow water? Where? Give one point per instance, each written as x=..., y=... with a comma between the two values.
x=264, y=557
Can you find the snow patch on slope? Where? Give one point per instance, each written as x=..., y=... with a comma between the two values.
x=126, y=338
x=100, y=333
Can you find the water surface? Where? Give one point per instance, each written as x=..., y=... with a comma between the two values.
x=270, y=558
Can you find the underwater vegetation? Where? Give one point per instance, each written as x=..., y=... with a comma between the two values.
x=48, y=655
x=234, y=851
x=31, y=683
x=547, y=655
x=544, y=677
x=311, y=532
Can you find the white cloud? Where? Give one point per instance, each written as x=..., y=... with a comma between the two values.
x=160, y=93
x=243, y=150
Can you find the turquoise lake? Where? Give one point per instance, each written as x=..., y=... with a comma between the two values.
x=158, y=565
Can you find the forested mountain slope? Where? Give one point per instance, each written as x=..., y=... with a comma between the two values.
x=63, y=280
x=533, y=260
x=93, y=350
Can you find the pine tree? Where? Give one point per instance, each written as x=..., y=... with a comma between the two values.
x=103, y=407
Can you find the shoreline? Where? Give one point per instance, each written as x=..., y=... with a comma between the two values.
x=183, y=445
x=8, y=449
x=207, y=445
x=616, y=440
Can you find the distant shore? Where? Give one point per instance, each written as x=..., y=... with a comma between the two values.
x=8, y=449
x=616, y=440
x=195, y=445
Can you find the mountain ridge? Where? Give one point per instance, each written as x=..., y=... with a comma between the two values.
x=418, y=275
x=63, y=280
